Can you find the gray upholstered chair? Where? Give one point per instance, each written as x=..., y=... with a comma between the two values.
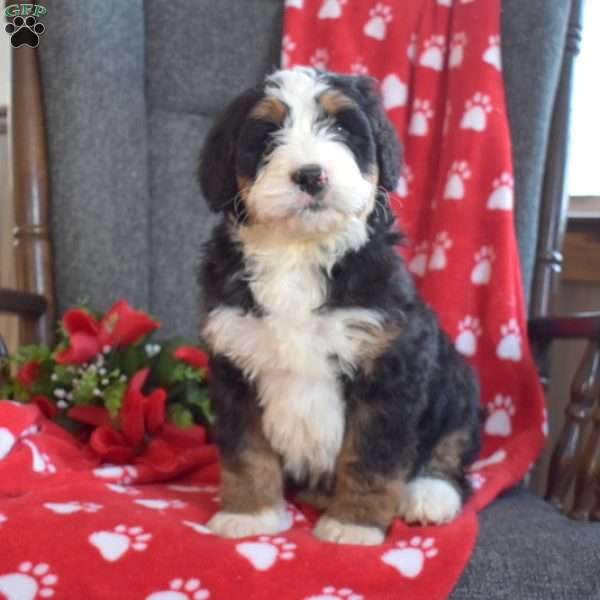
x=128, y=91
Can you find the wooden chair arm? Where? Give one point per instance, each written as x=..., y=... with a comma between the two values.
x=26, y=304
x=585, y=325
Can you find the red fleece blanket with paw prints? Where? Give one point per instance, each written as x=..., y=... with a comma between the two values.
x=71, y=528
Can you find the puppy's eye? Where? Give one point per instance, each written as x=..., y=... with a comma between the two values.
x=339, y=128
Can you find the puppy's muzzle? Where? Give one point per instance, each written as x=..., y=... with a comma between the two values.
x=311, y=179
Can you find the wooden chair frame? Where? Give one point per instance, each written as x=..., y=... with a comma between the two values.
x=575, y=465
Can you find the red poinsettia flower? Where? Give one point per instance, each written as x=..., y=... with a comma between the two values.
x=28, y=373
x=144, y=436
x=192, y=356
x=120, y=326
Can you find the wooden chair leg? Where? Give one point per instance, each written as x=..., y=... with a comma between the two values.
x=584, y=392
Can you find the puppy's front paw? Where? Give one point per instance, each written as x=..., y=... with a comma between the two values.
x=332, y=530
x=236, y=525
x=429, y=500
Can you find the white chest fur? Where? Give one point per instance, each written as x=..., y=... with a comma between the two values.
x=288, y=353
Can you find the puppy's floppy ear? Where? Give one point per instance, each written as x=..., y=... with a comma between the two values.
x=389, y=152
x=217, y=165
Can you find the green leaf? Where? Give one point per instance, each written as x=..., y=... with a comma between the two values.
x=113, y=398
x=179, y=415
x=131, y=359
x=26, y=353
x=84, y=393
x=197, y=396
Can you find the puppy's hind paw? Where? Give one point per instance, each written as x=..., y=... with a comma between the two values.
x=332, y=530
x=429, y=500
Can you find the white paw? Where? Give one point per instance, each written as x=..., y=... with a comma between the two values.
x=113, y=545
x=409, y=558
x=429, y=500
x=67, y=508
x=237, y=525
x=31, y=582
x=266, y=551
x=180, y=589
x=332, y=530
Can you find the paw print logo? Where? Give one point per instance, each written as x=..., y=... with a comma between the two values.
x=68, y=508
x=181, y=589
x=265, y=552
x=294, y=4
x=444, y=2
x=379, y=17
x=331, y=9
x=418, y=264
x=320, y=59
x=409, y=558
x=476, y=112
x=29, y=582
x=419, y=122
x=394, y=92
x=457, y=49
x=469, y=329
x=159, y=504
x=406, y=176
x=441, y=244
x=287, y=47
x=411, y=49
x=477, y=480
x=455, y=184
x=502, y=195
x=122, y=489
x=482, y=271
x=359, y=68
x=121, y=475
x=500, y=413
x=509, y=347
x=25, y=32
x=433, y=53
x=113, y=545
x=41, y=462
x=492, y=54
x=331, y=593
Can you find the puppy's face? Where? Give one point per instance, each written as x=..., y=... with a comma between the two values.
x=306, y=149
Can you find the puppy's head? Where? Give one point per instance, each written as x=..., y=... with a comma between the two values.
x=307, y=149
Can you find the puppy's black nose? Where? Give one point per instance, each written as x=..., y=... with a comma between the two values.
x=311, y=179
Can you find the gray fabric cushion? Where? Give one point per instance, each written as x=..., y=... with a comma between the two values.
x=197, y=61
x=528, y=551
x=533, y=39
x=92, y=68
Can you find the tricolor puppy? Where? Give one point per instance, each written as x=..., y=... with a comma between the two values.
x=328, y=370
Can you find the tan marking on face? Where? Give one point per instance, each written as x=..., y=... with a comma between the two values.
x=269, y=109
x=244, y=184
x=372, y=177
x=253, y=480
x=333, y=101
x=359, y=498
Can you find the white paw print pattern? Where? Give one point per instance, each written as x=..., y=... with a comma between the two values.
x=404, y=180
x=477, y=109
x=122, y=489
x=266, y=551
x=477, y=480
x=440, y=245
x=411, y=49
x=330, y=592
x=434, y=50
x=492, y=54
x=68, y=508
x=409, y=558
x=41, y=462
x=359, y=68
x=3, y=518
x=494, y=459
x=500, y=412
x=7, y=441
x=182, y=589
x=294, y=3
x=287, y=47
x=457, y=49
x=444, y=2
x=113, y=545
x=159, y=504
x=455, y=184
x=502, y=195
x=393, y=91
x=331, y=9
x=482, y=271
x=379, y=17
x=29, y=582
x=419, y=121
x=122, y=475
x=320, y=59
x=509, y=346
x=418, y=263
x=469, y=329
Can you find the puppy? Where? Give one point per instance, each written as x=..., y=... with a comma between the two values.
x=328, y=370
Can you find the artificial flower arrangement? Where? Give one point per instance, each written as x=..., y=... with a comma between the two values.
x=132, y=399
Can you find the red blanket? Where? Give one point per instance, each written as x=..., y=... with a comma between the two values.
x=71, y=528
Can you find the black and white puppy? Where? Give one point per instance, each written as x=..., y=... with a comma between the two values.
x=328, y=370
